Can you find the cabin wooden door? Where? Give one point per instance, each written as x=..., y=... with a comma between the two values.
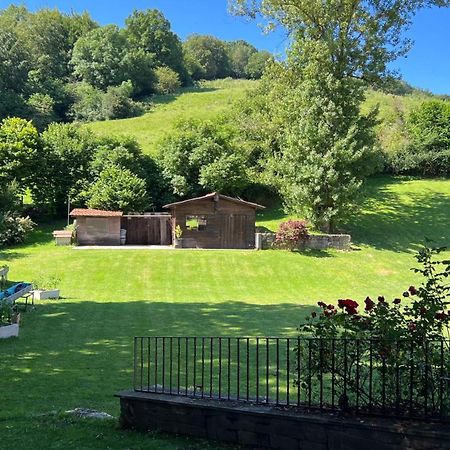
x=235, y=231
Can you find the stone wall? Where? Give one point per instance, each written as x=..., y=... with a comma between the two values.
x=314, y=241
x=275, y=428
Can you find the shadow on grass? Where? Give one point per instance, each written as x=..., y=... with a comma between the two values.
x=6, y=256
x=169, y=98
x=312, y=253
x=389, y=222
x=72, y=354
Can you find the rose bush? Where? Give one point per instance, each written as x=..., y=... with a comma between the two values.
x=381, y=352
x=423, y=314
x=291, y=234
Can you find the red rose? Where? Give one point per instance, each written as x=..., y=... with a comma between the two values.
x=322, y=305
x=412, y=290
x=406, y=294
x=369, y=304
x=441, y=316
x=381, y=299
x=411, y=326
x=423, y=311
x=397, y=301
x=313, y=314
x=330, y=306
x=349, y=305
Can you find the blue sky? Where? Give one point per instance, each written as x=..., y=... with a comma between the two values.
x=427, y=65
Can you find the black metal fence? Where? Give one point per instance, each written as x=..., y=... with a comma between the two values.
x=399, y=378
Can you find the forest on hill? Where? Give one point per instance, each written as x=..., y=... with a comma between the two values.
x=57, y=67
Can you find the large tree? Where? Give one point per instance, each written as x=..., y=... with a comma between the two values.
x=239, y=53
x=104, y=57
x=118, y=188
x=19, y=152
x=151, y=32
x=257, y=63
x=202, y=157
x=67, y=153
x=206, y=57
x=337, y=47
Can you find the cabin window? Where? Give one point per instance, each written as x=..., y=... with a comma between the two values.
x=197, y=223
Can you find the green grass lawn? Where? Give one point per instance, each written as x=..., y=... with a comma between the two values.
x=77, y=351
x=205, y=102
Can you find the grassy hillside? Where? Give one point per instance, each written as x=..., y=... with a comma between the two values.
x=215, y=97
x=204, y=102
x=393, y=114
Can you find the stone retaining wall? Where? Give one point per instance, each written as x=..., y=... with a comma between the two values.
x=275, y=428
x=314, y=241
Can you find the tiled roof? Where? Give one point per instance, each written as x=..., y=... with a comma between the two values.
x=79, y=212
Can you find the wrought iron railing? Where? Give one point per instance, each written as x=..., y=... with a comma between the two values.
x=370, y=376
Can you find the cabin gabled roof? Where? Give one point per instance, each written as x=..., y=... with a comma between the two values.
x=215, y=196
x=81, y=212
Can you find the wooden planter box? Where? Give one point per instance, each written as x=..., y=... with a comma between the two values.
x=62, y=237
x=44, y=295
x=8, y=331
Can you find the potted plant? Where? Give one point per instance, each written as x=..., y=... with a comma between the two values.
x=178, y=237
x=46, y=288
x=9, y=321
x=3, y=276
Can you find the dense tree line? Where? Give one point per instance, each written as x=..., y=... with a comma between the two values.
x=64, y=67
x=67, y=161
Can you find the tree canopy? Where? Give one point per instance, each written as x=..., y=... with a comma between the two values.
x=337, y=48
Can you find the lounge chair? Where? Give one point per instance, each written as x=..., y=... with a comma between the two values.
x=16, y=291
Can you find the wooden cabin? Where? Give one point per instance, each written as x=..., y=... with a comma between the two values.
x=97, y=227
x=215, y=221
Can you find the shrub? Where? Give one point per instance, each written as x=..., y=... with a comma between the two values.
x=167, y=80
x=428, y=152
x=425, y=314
x=118, y=104
x=291, y=234
x=93, y=104
x=14, y=229
x=88, y=102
